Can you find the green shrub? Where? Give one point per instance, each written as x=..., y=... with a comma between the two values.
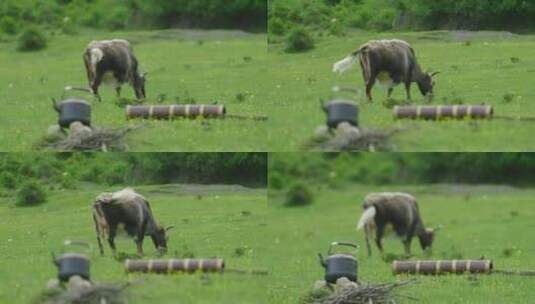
x=277, y=26
x=299, y=40
x=8, y=180
x=31, y=193
x=298, y=195
x=32, y=39
x=337, y=29
x=8, y=25
x=116, y=174
x=383, y=20
x=68, y=27
x=117, y=19
x=276, y=181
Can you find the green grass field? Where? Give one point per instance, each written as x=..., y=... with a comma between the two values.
x=227, y=222
x=491, y=221
x=476, y=68
x=206, y=66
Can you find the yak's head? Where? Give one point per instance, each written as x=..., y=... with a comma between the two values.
x=139, y=85
x=426, y=83
x=426, y=238
x=160, y=238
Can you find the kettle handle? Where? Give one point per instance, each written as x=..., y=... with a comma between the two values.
x=346, y=244
x=322, y=260
x=54, y=258
x=323, y=106
x=78, y=243
x=55, y=105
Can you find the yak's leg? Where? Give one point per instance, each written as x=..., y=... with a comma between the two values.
x=95, y=85
x=408, y=89
x=118, y=91
x=407, y=244
x=139, y=244
x=369, y=85
x=379, y=233
x=99, y=241
x=367, y=231
x=111, y=239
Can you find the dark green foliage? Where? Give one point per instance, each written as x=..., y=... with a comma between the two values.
x=119, y=14
x=405, y=168
x=8, y=180
x=277, y=26
x=405, y=14
x=298, y=195
x=31, y=193
x=64, y=170
x=9, y=25
x=299, y=40
x=276, y=181
x=32, y=39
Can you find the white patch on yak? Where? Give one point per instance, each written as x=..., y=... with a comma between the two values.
x=109, y=79
x=121, y=232
x=126, y=194
x=345, y=64
x=384, y=80
x=96, y=56
x=367, y=217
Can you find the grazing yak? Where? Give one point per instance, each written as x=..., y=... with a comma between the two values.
x=113, y=62
x=401, y=211
x=390, y=62
x=129, y=211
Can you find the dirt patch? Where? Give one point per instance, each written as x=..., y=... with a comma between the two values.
x=466, y=36
x=198, y=35
x=466, y=190
x=196, y=189
x=350, y=138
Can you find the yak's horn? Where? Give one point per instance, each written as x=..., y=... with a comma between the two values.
x=169, y=227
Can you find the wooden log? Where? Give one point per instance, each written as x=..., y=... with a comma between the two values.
x=442, y=112
x=174, y=266
x=175, y=111
x=442, y=267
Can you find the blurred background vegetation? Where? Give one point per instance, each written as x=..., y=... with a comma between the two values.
x=334, y=17
x=67, y=15
x=57, y=171
x=335, y=170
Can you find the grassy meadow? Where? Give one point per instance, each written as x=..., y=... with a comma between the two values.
x=210, y=221
x=495, y=68
x=184, y=66
x=494, y=222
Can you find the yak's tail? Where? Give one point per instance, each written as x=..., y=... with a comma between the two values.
x=347, y=63
x=367, y=217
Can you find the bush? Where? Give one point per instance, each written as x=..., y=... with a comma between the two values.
x=31, y=193
x=299, y=40
x=276, y=181
x=298, y=195
x=117, y=19
x=8, y=25
x=8, y=180
x=277, y=26
x=32, y=39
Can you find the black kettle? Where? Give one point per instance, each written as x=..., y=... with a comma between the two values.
x=339, y=265
x=72, y=110
x=341, y=110
x=71, y=263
